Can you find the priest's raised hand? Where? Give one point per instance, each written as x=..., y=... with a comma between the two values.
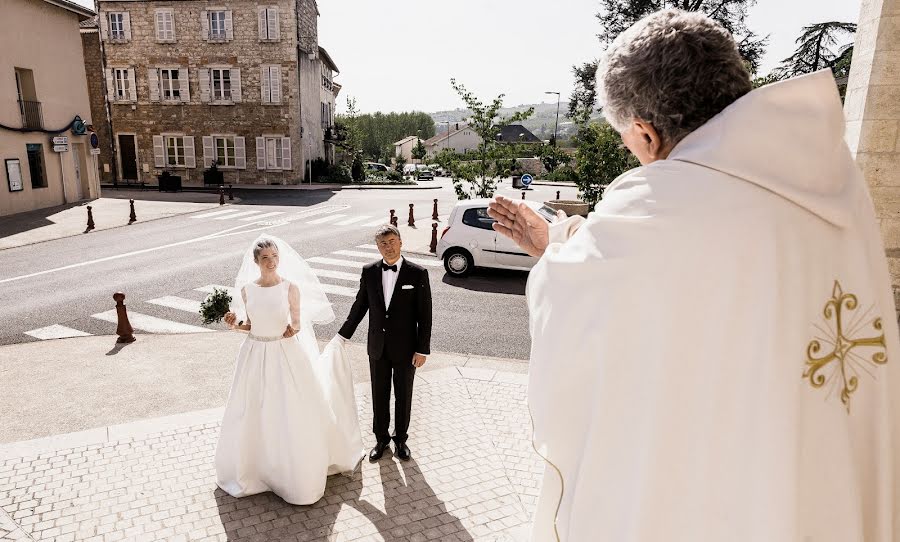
x=520, y=223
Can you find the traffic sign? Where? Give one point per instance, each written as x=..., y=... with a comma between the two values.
x=60, y=148
x=61, y=140
x=527, y=179
x=95, y=151
x=95, y=141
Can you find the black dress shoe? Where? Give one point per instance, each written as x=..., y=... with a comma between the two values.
x=403, y=452
x=377, y=451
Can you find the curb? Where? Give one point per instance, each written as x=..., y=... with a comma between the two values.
x=303, y=187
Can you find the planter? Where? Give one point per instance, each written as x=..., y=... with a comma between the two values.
x=169, y=183
x=212, y=176
x=570, y=207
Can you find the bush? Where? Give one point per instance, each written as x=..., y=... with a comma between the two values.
x=337, y=174
x=561, y=174
x=320, y=168
x=357, y=172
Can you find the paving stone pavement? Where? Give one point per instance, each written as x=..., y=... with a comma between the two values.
x=473, y=476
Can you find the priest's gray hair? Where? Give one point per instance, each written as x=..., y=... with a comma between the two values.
x=262, y=245
x=673, y=69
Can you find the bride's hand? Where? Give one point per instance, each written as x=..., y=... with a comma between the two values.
x=230, y=319
x=290, y=332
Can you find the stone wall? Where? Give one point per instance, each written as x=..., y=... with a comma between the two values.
x=96, y=81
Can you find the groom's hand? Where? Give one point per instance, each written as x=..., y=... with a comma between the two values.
x=418, y=360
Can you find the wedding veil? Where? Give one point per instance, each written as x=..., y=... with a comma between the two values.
x=314, y=304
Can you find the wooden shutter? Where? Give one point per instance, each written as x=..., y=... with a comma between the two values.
x=261, y=21
x=273, y=26
x=160, y=26
x=159, y=152
x=260, y=153
x=170, y=16
x=110, y=84
x=286, y=153
x=236, y=85
x=204, y=25
x=209, y=151
x=132, y=86
x=229, y=27
x=240, y=153
x=203, y=75
x=153, y=84
x=190, y=157
x=126, y=25
x=275, y=82
x=184, y=85
x=264, y=84
x=104, y=26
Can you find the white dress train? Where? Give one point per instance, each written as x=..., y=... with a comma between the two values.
x=291, y=417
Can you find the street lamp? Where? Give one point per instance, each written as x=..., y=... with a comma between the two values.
x=448, y=132
x=556, y=127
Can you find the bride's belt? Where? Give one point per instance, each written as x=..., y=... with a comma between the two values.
x=264, y=339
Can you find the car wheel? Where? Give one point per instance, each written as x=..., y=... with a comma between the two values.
x=458, y=262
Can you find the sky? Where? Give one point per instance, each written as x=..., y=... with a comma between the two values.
x=400, y=55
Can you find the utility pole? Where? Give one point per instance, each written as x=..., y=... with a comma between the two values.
x=556, y=127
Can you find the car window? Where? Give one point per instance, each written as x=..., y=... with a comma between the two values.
x=478, y=218
x=548, y=213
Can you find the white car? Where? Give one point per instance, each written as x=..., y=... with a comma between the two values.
x=470, y=241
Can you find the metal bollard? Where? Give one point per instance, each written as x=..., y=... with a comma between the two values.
x=523, y=194
x=90, y=222
x=434, y=213
x=433, y=247
x=412, y=219
x=231, y=193
x=557, y=194
x=391, y=218
x=123, y=329
x=221, y=195
x=132, y=218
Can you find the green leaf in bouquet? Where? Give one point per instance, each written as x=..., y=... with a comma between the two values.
x=215, y=306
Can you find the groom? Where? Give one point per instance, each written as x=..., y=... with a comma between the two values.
x=397, y=295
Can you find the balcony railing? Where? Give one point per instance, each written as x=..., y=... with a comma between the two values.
x=31, y=115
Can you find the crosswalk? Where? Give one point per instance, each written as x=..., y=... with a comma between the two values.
x=338, y=272
x=333, y=215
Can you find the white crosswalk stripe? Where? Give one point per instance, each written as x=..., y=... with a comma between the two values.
x=352, y=220
x=326, y=219
x=339, y=290
x=379, y=222
x=375, y=256
x=175, y=302
x=328, y=273
x=208, y=289
x=336, y=262
x=242, y=213
x=262, y=216
x=215, y=213
x=357, y=254
x=55, y=331
x=151, y=324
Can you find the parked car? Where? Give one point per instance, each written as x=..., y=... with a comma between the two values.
x=425, y=174
x=470, y=241
x=375, y=166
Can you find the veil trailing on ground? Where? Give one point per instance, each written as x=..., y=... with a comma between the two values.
x=314, y=305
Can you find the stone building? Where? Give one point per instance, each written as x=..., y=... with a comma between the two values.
x=44, y=97
x=238, y=83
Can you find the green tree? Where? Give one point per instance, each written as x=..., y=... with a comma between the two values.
x=493, y=160
x=820, y=47
x=379, y=131
x=418, y=151
x=553, y=157
x=599, y=158
x=399, y=162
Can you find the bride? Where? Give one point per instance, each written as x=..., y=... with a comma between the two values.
x=291, y=417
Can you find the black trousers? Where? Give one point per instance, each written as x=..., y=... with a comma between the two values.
x=401, y=373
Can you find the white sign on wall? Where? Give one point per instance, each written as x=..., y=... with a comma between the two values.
x=61, y=140
x=60, y=148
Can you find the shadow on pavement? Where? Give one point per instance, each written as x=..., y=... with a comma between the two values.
x=497, y=281
x=31, y=220
x=117, y=348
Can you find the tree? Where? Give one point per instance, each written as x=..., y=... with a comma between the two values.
x=418, y=151
x=400, y=161
x=379, y=131
x=817, y=49
x=552, y=157
x=617, y=15
x=599, y=158
x=493, y=160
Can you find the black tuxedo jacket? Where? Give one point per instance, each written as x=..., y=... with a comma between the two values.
x=405, y=329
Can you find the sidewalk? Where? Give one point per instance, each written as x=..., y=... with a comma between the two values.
x=473, y=475
x=420, y=185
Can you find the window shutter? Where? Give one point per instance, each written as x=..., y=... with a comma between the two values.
x=170, y=16
x=236, y=85
x=204, y=25
x=153, y=84
x=209, y=151
x=132, y=87
x=190, y=158
x=160, y=26
x=240, y=153
x=229, y=27
x=203, y=74
x=104, y=27
x=264, y=84
x=274, y=27
x=110, y=85
x=261, y=21
x=184, y=85
x=126, y=24
x=275, y=83
x=286, y=153
x=260, y=153
x=159, y=152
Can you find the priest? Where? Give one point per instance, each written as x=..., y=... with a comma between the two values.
x=715, y=350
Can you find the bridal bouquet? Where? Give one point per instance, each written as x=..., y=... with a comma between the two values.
x=216, y=305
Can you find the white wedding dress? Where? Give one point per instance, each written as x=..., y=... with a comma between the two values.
x=291, y=417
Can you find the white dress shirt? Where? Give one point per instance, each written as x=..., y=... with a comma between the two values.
x=389, y=280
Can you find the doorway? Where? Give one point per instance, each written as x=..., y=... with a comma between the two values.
x=128, y=157
x=82, y=172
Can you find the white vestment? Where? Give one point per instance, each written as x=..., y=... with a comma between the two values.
x=715, y=350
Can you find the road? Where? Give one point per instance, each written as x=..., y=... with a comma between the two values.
x=163, y=265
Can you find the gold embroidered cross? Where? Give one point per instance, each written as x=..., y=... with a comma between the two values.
x=843, y=345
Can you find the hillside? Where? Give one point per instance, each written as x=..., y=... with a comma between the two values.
x=541, y=123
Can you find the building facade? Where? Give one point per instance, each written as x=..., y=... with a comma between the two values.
x=460, y=138
x=44, y=95
x=190, y=84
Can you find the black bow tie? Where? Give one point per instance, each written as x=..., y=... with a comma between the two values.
x=385, y=267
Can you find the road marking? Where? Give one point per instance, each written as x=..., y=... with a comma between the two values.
x=328, y=273
x=325, y=209
x=56, y=331
x=374, y=257
x=151, y=324
x=356, y=254
x=326, y=219
x=352, y=220
x=242, y=213
x=372, y=247
x=175, y=302
x=339, y=290
x=210, y=287
x=333, y=261
x=379, y=222
x=260, y=217
x=215, y=213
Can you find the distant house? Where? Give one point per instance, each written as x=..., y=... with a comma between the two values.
x=461, y=138
x=516, y=133
x=405, y=146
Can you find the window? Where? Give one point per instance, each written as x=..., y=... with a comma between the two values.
x=217, y=25
x=175, y=150
x=270, y=84
x=478, y=218
x=165, y=25
x=268, y=24
x=220, y=79
x=117, y=26
x=273, y=153
x=225, y=155
x=122, y=83
x=169, y=85
x=36, y=165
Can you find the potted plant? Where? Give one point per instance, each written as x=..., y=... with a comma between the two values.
x=212, y=175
